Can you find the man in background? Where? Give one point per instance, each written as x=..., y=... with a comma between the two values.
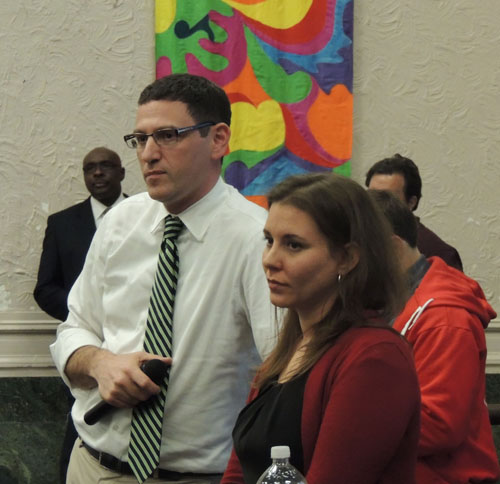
x=400, y=176
x=444, y=321
x=70, y=231
x=67, y=239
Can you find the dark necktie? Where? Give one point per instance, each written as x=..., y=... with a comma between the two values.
x=147, y=418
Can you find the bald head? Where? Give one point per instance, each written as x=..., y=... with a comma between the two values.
x=102, y=152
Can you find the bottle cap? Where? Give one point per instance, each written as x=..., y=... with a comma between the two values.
x=280, y=452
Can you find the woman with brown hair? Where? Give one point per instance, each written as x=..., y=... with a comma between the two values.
x=340, y=388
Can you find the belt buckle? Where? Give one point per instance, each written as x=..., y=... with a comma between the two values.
x=100, y=459
x=109, y=462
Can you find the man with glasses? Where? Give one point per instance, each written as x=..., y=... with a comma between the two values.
x=67, y=239
x=222, y=323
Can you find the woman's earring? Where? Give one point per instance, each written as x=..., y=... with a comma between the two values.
x=339, y=277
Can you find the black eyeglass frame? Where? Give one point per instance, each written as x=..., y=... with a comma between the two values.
x=176, y=131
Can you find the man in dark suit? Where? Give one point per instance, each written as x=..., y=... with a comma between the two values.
x=70, y=231
x=67, y=239
x=400, y=176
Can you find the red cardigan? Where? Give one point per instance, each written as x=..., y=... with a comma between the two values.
x=360, y=415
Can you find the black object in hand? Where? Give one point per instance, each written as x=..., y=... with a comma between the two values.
x=156, y=370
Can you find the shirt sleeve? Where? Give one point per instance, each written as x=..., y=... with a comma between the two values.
x=83, y=326
x=372, y=403
x=264, y=318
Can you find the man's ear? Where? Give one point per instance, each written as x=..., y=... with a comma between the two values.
x=350, y=258
x=220, y=140
x=412, y=202
x=398, y=243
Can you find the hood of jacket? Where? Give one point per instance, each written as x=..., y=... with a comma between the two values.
x=445, y=287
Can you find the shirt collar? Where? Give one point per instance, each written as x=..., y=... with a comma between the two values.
x=198, y=216
x=417, y=272
x=98, y=208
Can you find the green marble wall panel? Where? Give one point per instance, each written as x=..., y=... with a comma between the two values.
x=33, y=419
x=493, y=388
x=32, y=423
x=493, y=396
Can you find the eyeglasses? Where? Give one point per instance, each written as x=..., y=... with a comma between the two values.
x=162, y=137
x=105, y=166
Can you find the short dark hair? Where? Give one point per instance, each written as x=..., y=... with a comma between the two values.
x=401, y=218
x=205, y=100
x=405, y=167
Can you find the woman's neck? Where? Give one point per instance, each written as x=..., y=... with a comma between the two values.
x=313, y=315
x=296, y=361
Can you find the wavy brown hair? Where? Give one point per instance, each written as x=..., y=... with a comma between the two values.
x=345, y=214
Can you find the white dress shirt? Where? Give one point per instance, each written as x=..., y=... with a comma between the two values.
x=99, y=209
x=222, y=310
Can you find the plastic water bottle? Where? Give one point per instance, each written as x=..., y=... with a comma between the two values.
x=281, y=471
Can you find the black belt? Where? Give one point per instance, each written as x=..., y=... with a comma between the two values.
x=116, y=465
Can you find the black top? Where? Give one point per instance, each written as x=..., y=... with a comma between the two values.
x=429, y=244
x=417, y=272
x=273, y=418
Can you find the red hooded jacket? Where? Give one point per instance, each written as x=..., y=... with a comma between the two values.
x=444, y=321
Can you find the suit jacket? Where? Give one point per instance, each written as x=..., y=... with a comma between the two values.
x=67, y=240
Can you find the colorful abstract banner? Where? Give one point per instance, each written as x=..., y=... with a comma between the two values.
x=287, y=69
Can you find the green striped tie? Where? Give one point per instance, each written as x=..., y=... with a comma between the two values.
x=147, y=418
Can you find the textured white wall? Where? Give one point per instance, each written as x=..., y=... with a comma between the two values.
x=427, y=85
x=70, y=75
x=427, y=78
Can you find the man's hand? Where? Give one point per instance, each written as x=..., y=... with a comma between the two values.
x=120, y=380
